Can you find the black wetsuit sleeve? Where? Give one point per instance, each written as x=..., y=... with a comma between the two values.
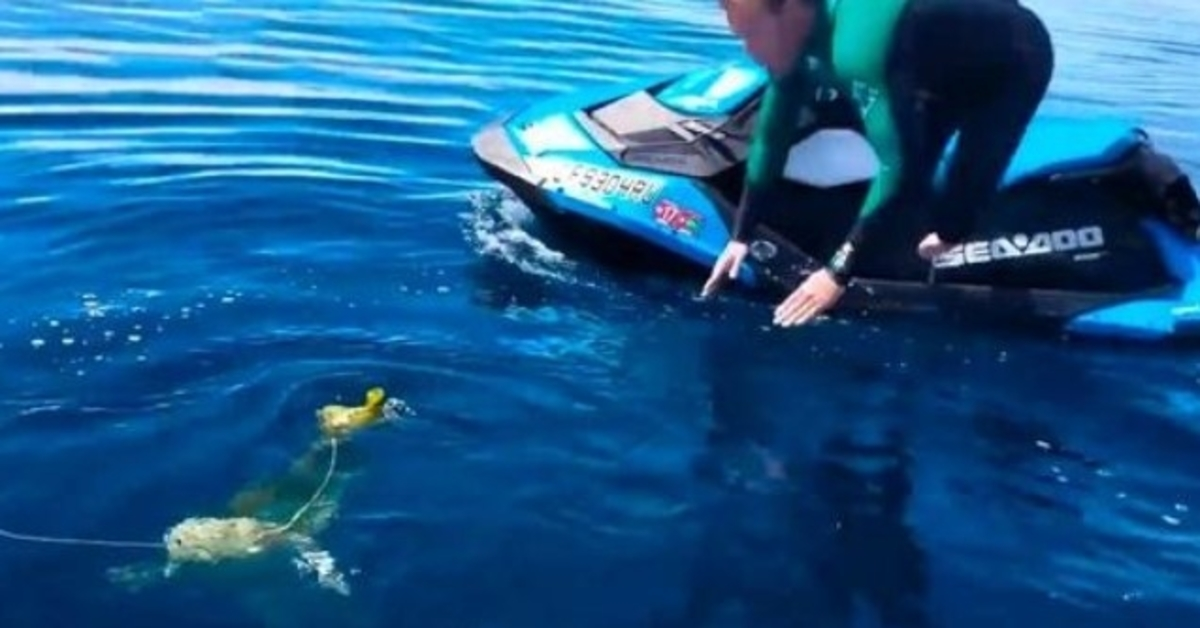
x=774, y=130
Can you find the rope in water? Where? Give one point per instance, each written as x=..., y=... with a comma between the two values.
x=66, y=540
x=303, y=510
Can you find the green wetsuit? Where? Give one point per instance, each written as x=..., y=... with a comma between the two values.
x=988, y=62
x=851, y=38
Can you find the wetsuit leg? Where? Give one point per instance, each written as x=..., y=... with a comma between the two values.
x=1002, y=64
x=924, y=123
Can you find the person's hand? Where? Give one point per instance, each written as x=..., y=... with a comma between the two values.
x=726, y=267
x=818, y=293
x=932, y=247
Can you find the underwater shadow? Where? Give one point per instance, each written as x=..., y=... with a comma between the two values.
x=809, y=503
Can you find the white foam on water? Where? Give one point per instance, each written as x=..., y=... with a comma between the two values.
x=495, y=228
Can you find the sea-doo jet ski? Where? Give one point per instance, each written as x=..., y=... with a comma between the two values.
x=1094, y=233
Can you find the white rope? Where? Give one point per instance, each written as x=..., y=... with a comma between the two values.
x=333, y=454
x=66, y=540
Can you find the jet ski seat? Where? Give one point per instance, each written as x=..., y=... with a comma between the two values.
x=1054, y=145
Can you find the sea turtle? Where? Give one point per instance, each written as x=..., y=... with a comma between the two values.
x=212, y=540
x=267, y=518
x=270, y=516
x=208, y=541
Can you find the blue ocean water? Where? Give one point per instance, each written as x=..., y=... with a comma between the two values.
x=219, y=216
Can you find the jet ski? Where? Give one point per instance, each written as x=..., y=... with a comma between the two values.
x=1094, y=232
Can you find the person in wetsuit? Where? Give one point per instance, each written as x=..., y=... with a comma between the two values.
x=919, y=70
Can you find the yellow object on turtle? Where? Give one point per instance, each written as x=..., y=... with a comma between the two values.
x=338, y=421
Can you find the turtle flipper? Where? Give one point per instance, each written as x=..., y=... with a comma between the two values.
x=311, y=558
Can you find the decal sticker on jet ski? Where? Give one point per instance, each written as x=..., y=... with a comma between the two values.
x=1087, y=240
x=677, y=219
